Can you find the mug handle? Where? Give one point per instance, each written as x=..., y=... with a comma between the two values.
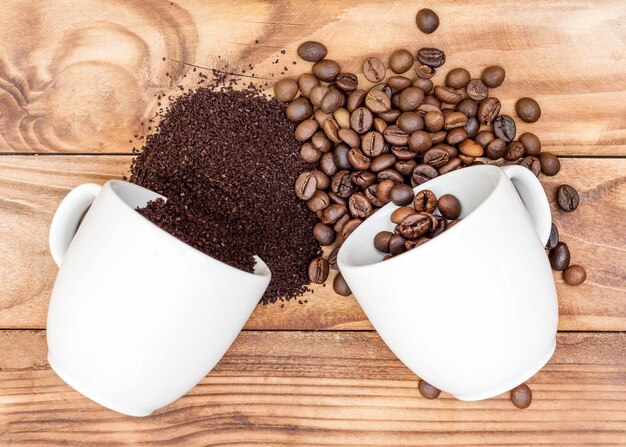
x=534, y=198
x=67, y=218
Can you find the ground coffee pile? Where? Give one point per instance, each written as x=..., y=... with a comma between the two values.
x=227, y=160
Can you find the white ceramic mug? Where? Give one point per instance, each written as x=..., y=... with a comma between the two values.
x=473, y=311
x=137, y=317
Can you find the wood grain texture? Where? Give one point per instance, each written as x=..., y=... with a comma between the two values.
x=78, y=77
x=32, y=187
x=308, y=388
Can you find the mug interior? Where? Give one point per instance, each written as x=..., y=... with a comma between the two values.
x=472, y=186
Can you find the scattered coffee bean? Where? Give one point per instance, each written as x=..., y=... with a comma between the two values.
x=400, y=61
x=427, y=390
x=410, y=98
x=449, y=206
x=374, y=70
x=381, y=241
x=361, y=120
x=550, y=164
x=318, y=201
x=326, y=70
x=425, y=200
x=448, y=95
x=559, y=257
x=422, y=173
x=332, y=258
x=396, y=245
x=528, y=110
x=427, y=21
x=355, y=99
x=312, y=51
x=323, y=234
x=431, y=57
x=488, y=110
x=425, y=72
x=360, y=206
x=318, y=270
x=285, y=90
x=531, y=143
x=401, y=194
x=468, y=107
x=521, y=396
x=477, y=90
x=347, y=82
x=299, y=109
x=306, y=83
x=554, y=237
x=532, y=164
x=457, y=78
x=574, y=275
x=493, y=76
x=377, y=101
x=340, y=286
x=349, y=227
x=514, y=151
x=504, y=127
x=306, y=129
x=567, y=198
x=410, y=122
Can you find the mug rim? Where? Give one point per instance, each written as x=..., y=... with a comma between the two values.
x=114, y=184
x=349, y=265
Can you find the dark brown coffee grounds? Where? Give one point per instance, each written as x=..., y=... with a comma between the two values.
x=227, y=160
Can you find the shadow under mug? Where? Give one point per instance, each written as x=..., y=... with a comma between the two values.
x=137, y=317
x=473, y=311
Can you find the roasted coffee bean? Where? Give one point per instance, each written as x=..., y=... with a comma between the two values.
x=559, y=257
x=454, y=120
x=338, y=227
x=377, y=101
x=425, y=84
x=436, y=156
x=331, y=129
x=358, y=160
x=396, y=136
x=448, y=95
x=323, y=233
x=455, y=136
x=471, y=148
x=427, y=390
x=554, y=237
x=333, y=100
x=425, y=200
x=318, y=270
x=466, y=159
x=528, y=110
x=401, y=213
x=342, y=184
x=318, y=201
x=350, y=137
x=504, y=127
x=374, y=70
x=342, y=116
x=340, y=286
x=309, y=153
x=425, y=72
x=449, y=206
x=390, y=174
x=382, y=190
x=427, y=21
x=532, y=164
x=438, y=137
x=521, y=396
x=432, y=57
x=306, y=83
x=484, y=138
x=390, y=116
x=438, y=228
x=457, y=78
x=495, y=149
x=349, y=227
x=332, y=259
x=428, y=107
x=488, y=110
x=381, y=241
x=452, y=151
x=410, y=122
x=379, y=125
x=359, y=205
x=401, y=194
x=318, y=94
x=400, y=61
x=402, y=153
x=405, y=167
x=373, y=144
x=396, y=245
x=493, y=76
x=468, y=106
x=363, y=179
x=531, y=143
x=321, y=117
x=422, y=173
x=381, y=162
x=477, y=90
x=370, y=193
x=410, y=98
x=340, y=156
x=550, y=164
x=514, y=151
x=332, y=213
x=567, y=198
x=285, y=90
x=312, y=51
x=299, y=109
x=327, y=164
x=434, y=121
x=323, y=181
x=306, y=129
x=347, y=82
x=410, y=245
x=472, y=127
x=398, y=83
x=334, y=198
x=326, y=70
x=355, y=99
x=361, y=120
x=306, y=185
x=420, y=141
x=414, y=226
x=452, y=165
x=574, y=275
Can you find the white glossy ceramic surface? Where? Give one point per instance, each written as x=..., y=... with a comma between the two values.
x=137, y=317
x=474, y=311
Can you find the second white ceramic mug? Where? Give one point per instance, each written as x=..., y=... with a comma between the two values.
x=137, y=317
x=474, y=311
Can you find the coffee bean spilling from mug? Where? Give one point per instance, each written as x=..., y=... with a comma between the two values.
x=418, y=224
x=369, y=145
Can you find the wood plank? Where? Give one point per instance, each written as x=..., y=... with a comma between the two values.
x=31, y=188
x=312, y=388
x=83, y=77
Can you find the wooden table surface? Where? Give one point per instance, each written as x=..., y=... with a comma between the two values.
x=78, y=80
